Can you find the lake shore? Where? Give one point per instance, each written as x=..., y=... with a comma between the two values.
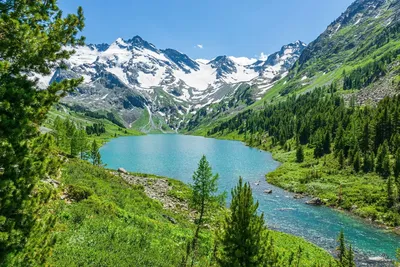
x=277, y=155
x=175, y=155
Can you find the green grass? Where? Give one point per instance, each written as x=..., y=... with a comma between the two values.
x=112, y=130
x=363, y=194
x=116, y=224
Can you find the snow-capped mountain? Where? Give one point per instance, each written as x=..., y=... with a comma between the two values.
x=134, y=78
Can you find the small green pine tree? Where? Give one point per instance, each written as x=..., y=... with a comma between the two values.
x=95, y=154
x=357, y=162
x=396, y=167
x=243, y=230
x=204, y=190
x=300, y=154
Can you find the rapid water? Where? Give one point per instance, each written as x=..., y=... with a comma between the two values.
x=177, y=156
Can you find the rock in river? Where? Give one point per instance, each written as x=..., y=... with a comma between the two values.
x=268, y=191
x=315, y=201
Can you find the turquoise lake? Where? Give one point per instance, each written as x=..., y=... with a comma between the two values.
x=177, y=156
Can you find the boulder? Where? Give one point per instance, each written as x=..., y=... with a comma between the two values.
x=268, y=191
x=122, y=170
x=315, y=201
x=298, y=196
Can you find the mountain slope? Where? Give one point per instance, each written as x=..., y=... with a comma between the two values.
x=136, y=80
x=358, y=53
x=333, y=121
x=368, y=31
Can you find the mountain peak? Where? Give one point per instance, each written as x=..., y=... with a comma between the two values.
x=139, y=42
x=223, y=65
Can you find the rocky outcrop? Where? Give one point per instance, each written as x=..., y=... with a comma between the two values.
x=122, y=170
x=157, y=189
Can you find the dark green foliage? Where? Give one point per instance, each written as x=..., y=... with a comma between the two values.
x=32, y=34
x=299, y=154
x=95, y=154
x=317, y=118
x=78, y=193
x=341, y=159
x=341, y=247
x=243, y=230
x=396, y=168
x=392, y=192
x=368, y=164
x=357, y=162
x=96, y=128
x=382, y=159
x=350, y=257
x=345, y=256
x=70, y=138
x=362, y=77
x=97, y=115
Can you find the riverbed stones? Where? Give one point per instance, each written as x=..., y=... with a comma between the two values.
x=268, y=191
x=315, y=201
x=298, y=196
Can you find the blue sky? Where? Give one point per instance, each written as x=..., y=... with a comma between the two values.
x=208, y=28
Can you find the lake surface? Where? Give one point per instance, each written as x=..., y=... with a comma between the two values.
x=177, y=156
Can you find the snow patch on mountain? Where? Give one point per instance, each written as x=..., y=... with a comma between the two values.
x=134, y=76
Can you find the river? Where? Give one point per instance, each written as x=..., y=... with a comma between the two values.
x=177, y=156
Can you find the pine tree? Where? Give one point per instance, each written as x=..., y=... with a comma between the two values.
x=381, y=157
x=357, y=162
x=204, y=190
x=95, y=154
x=74, y=144
x=82, y=144
x=396, y=167
x=32, y=34
x=350, y=257
x=368, y=164
x=339, y=140
x=327, y=143
x=300, y=154
x=392, y=193
x=386, y=171
x=341, y=248
x=243, y=230
x=365, y=138
x=341, y=159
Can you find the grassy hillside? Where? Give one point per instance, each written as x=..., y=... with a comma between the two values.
x=82, y=120
x=366, y=34
x=104, y=221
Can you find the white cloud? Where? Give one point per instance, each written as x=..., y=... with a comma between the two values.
x=199, y=46
x=263, y=56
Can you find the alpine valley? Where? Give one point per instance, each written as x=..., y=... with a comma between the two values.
x=155, y=89
x=314, y=180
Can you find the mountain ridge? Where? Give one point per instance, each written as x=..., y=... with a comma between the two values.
x=135, y=79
